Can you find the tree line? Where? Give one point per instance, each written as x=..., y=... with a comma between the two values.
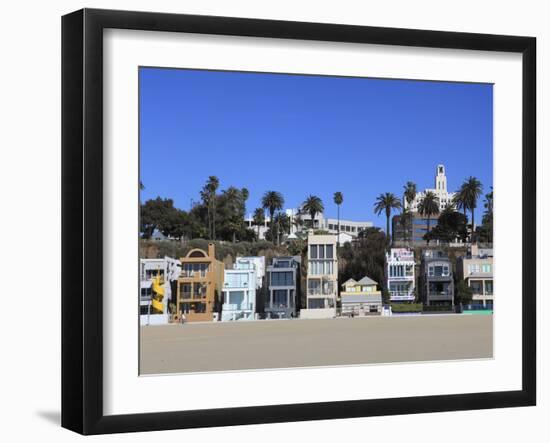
x=451, y=224
x=220, y=215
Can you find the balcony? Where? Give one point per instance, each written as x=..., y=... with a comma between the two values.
x=401, y=296
x=192, y=274
x=238, y=307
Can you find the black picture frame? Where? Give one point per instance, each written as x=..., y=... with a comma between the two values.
x=82, y=218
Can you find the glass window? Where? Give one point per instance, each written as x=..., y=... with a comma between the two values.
x=486, y=268
x=477, y=286
x=329, y=251
x=313, y=251
x=474, y=268
x=316, y=303
x=279, y=298
x=281, y=279
x=489, y=287
x=321, y=251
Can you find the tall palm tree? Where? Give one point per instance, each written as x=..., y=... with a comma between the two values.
x=460, y=201
x=473, y=190
x=405, y=221
x=209, y=197
x=410, y=193
x=234, y=205
x=272, y=201
x=313, y=205
x=387, y=202
x=259, y=218
x=428, y=207
x=338, y=200
x=283, y=225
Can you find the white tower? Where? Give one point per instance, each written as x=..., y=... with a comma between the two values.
x=440, y=180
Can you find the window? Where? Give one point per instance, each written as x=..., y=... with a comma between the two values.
x=489, y=287
x=313, y=251
x=486, y=268
x=321, y=267
x=472, y=269
x=185, y=290
x=279, y=298
x=199, y=291
x=281, y=279
x=282, y=264
x=151, y=274
x=329, y=251
x=438, y=271
x=321, y=251
x=316, y=303
x=314, y=287
x=477, y=286
x=348, y=228
x=236, y=279
x=353, y=229
x=236, y=298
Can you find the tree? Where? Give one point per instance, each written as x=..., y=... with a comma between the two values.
x=428, y=207
x=258, y=218
x=405, y=223
x=283, y=225
x=464, y=293
x=450, y=226
x=409, y=193
x=154, y=215
x=208, y=196
x=338, y=200
x=472, y=191
x=175, y=223
x=366, y=256
x=485, y=231
x=387, y=202
x=272, y=201
x=231, y=213
x=313, y=205
x=460, y=201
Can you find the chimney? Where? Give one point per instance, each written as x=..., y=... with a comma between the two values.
x=211, y=250
x=474, y=250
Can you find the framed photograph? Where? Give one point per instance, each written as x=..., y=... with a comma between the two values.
x=269, y=221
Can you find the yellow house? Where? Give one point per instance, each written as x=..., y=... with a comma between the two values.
x=199, y=285
x=361, y=297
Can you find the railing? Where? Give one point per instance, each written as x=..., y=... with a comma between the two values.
x=238, y=307
x=190, y=274
x=320, y=292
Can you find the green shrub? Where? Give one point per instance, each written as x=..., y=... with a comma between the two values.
x=406, y=307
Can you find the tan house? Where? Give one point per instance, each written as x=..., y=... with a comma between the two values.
x=322, y=277
x=199, y=285
x=361, y=297
x=476, y=269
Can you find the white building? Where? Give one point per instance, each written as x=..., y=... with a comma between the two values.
x=301, y=222
x=167, y=270
x=444, y=197
x=400, y=274
x=240, y=287
x=283, y=291
x=322, y=277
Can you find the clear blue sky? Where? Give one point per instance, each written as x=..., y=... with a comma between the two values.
x=302, y=135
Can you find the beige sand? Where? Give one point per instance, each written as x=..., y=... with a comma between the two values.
x=299, y=343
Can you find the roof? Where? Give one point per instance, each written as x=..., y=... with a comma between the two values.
x=367, y=281
x=351, y=280
x=480, y=275
x=362, y=298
